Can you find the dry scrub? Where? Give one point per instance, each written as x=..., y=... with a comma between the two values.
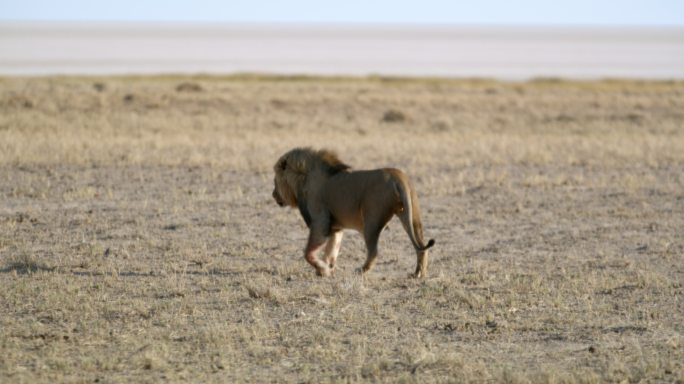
x=139, y=241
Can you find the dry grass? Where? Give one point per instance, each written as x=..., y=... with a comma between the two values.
x=139, y=241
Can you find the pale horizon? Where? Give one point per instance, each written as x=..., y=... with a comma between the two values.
x=493, y=38
x=507, y=53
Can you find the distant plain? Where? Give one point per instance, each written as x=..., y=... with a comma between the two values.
x=139, y=240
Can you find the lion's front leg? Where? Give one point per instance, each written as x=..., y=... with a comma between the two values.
x=317, y=237
x=332, y=249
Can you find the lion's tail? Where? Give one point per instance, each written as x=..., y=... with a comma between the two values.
x=410, y=215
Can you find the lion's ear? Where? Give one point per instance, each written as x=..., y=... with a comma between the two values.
x=283, y=165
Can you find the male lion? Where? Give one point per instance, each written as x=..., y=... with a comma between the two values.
x=331, y=198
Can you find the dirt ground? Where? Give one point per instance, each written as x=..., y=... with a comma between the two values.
x=139, y=240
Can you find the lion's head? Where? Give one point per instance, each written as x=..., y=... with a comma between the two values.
x=292, y=168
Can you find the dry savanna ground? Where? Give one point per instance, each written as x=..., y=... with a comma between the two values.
x=139, y=240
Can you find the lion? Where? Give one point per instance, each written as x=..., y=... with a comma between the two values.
x=331, y=197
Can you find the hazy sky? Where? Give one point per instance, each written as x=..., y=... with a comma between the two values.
x=596, y=12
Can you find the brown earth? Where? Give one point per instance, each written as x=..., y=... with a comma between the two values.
x=139, y=240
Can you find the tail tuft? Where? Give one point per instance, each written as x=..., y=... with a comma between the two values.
x=429, y=244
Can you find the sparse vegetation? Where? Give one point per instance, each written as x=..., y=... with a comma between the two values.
x=139, y=241
x=393, y=116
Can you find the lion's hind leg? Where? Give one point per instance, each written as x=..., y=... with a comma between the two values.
x=371, y=235
x=415, y=228
x=421, y=265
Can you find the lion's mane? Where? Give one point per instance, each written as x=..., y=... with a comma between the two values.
x=293, y=168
